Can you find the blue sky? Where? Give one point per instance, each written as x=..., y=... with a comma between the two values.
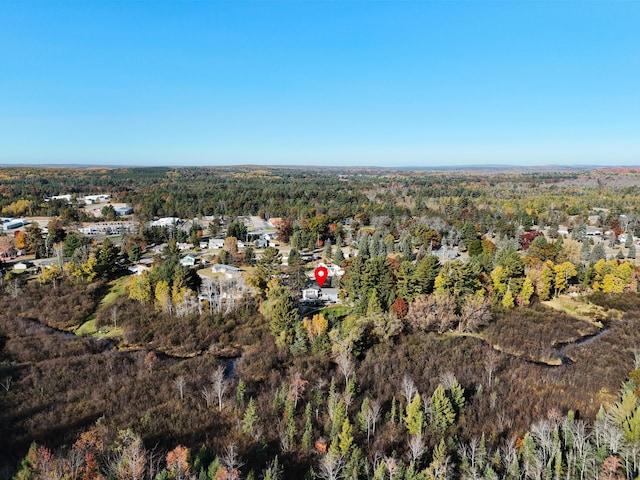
x=395, y=83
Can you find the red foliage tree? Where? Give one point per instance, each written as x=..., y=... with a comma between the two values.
x=400, y=307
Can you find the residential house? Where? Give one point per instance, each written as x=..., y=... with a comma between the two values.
x=229, y=270
x=139, y=269
x=332, y=269
x=22, y=266
x=188, y=261
x=216, y=243
x=316, y=294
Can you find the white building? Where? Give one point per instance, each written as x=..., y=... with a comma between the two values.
x=315, y=293
x=139, y=269
x=100, y=198
x=216, y=243
x=228, y=270
x=188, y=261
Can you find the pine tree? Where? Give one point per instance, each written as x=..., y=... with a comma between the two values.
x=585, y=252
x=374, y=305
x=597, y=253
x=443, y=413
x=240, y=391
x=250, y=418
x=308, y=429
x=345, y=438
x=457, y=395
x=406, y=246
x=629, y=240
x=507, y=300
x=339, y=416
x=425, y=273
x=363, y=246
x=363, y=423
x=414, y=417
x=328, y=252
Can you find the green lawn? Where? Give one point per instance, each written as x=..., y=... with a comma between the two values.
x=116, y=289
x=337, y=311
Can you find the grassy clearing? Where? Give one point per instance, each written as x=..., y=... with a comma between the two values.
x=116, y=289
x=336, y=312
x=577, y=308
x=89, y=328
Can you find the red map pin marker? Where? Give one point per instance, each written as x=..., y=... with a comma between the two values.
x=321, y=274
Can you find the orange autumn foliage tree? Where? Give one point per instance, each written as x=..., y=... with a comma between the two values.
x=178, y=462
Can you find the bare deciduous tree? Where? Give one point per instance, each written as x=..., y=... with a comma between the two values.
x=6, y=383
x=409, y=389
x=474, y=313
x=491, y=365
x=392, y=466
x=447, y=380
x=208, y=396
x=331, y=466
x=220, y=384
x=114, y=316
x=231, y=463
x=416, y=447
x=209, y=292
x=14, y=289
x=345, y=364
x=373, y=414
x=433, y=312
x=180, y=384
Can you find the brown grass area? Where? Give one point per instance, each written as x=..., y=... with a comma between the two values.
x=577, y=307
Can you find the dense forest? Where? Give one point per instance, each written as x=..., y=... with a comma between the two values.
x=487, y=327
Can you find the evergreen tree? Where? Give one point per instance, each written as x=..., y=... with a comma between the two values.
x=107, y=259
x=406, y=284
x=296, y=239
x=469, y=234
x=632, y=252
x=425, y=274
x=406, y=246
x=345, y=438
x=249, y=257
x=597, y=253
x=250, y=418
x=328, y=252
x=377, y=276
x=308, y=429
x=579, y=232
x=363, y=246
x=457, y=395
x=374, y=245
x=507, y=300
x=282, y=312
x=414, y=417
x=238, y=230
x=374, y=305
x=442, y=410
x=629, y=240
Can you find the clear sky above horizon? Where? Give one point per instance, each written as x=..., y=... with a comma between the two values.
x=387, y=83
